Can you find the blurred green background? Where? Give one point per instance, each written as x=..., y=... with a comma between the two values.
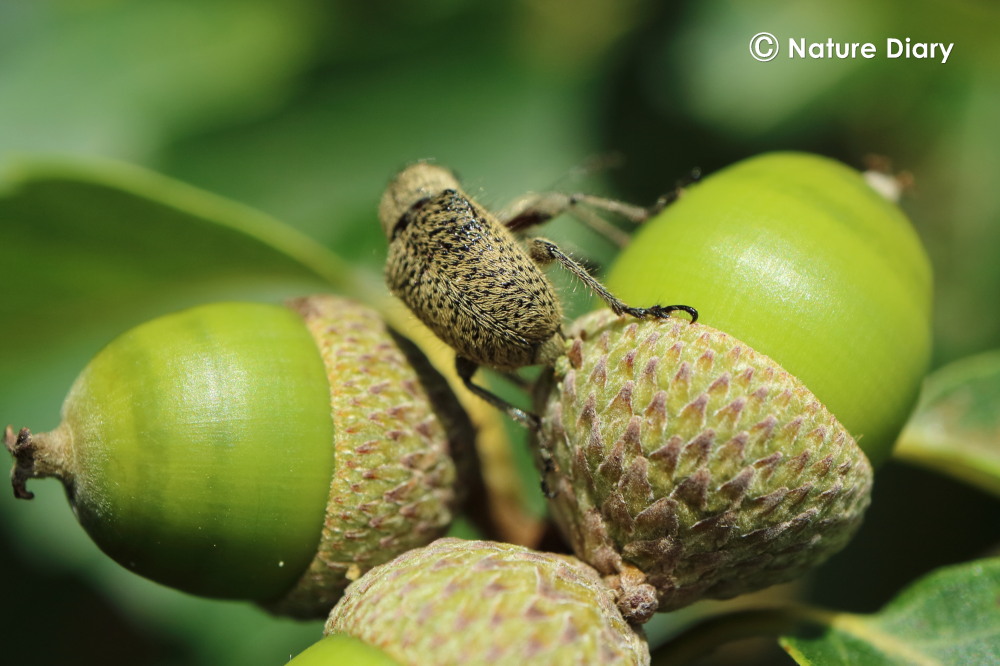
x=303, y=109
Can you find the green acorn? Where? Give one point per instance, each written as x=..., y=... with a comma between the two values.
x=461, y=602
x=683, y=465
x=251, y=451
x=800, y=257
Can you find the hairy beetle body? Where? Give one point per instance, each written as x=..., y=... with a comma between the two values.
x=463, y=273
x=467, y=278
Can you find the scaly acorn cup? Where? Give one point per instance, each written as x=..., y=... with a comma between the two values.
x=681, y=464
x=483, y=602
x=252, y=451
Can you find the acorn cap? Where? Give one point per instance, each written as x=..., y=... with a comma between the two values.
x=684, y=465
x=460, y=602
x=396, y=426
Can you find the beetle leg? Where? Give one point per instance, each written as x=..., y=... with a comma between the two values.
x=544, y=252
x=517, y=380
x=534, y=209
x=466, y=368
x=538, y=208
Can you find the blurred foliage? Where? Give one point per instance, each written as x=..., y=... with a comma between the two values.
x=956, y=426
x=302, y=109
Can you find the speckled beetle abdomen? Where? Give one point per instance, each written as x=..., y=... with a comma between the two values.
x=472, y=284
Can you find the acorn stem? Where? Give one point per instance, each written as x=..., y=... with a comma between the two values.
x=37, y=457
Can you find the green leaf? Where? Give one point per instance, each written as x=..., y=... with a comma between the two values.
x=951, y=616
x=91, y=249
x=956, y=428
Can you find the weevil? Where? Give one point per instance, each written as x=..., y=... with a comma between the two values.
x=464, y=273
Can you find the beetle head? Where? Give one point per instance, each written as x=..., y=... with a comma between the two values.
x=415, y=182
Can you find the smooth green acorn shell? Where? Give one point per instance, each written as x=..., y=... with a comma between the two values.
x=800, y=258
x=162, y=466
